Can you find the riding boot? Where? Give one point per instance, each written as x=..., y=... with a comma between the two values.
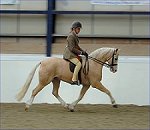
x=75, y=83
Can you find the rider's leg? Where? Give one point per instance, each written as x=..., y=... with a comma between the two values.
x=77, y=68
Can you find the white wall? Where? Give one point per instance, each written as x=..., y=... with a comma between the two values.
x=102, y=25
x=130, y=85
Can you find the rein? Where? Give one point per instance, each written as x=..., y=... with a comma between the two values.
x=103, y=63
x=100, y=62
x=86, y=65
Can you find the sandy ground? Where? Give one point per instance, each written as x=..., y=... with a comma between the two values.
x=54, y=116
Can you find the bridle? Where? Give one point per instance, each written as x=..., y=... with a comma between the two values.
x=112, y=61
x=103, y=63
x=86, y=65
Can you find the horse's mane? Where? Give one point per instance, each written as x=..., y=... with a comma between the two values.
x=102, y=52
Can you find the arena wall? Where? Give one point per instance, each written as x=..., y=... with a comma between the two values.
x=127, y=85
x=130, y=85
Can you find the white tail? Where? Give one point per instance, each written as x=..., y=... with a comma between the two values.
x=24, y=89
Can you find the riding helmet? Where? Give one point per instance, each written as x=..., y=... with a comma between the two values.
x=76, y=24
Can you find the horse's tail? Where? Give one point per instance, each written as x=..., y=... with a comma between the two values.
x=24, y=89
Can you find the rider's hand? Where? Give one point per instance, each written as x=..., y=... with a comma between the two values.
x=84, y=53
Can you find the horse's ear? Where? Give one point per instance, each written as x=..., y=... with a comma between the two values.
x=117, y=50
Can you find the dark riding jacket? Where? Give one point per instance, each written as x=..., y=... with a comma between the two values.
x=72, y=50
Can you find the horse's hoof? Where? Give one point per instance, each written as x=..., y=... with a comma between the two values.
x=66, y=106
x=71, y=110
x=26, y=109
x=115, y=106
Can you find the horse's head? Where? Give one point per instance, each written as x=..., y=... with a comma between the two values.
x=113, y=61
x=109, y=55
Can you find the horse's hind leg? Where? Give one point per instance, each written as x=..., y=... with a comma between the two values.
x=56, y=85
x=34, y=93
x=100, y=87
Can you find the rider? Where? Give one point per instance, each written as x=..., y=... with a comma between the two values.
x=72, y=50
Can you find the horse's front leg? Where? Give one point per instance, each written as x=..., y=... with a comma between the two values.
x=100, y=87
x=56, y=85
x=82, y=92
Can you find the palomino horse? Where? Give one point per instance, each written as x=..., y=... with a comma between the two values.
x=56, y=69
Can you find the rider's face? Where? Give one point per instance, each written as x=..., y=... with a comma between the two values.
x=77, y=30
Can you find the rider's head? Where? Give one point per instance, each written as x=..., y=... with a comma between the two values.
x=76, y=26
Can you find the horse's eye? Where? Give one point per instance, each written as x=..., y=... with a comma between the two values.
x=116, y=58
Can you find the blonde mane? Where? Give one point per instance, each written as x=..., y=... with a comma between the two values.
x=102, y=53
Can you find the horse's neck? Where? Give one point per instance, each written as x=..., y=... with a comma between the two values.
x=101, y=57
x=102, y=54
